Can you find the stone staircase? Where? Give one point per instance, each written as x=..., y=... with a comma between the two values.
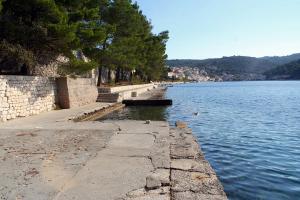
x=108, y=97
x=118, y=94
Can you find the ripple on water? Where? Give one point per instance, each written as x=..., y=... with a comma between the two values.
x=250, y=133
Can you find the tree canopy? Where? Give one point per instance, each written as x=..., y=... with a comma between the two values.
x=114, y=34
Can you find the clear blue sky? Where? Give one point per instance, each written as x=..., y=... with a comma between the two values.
x=216, y=28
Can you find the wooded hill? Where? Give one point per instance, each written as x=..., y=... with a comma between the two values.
x=236, y=65
x=290, y=71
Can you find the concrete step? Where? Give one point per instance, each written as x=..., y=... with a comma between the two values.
x=103, y=90
x=122, y=89
x=108, y=97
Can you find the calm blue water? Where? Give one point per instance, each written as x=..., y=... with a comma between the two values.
x=250, y=133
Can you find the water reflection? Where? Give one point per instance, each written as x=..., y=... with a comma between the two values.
x=154, y=113
x=249, y=132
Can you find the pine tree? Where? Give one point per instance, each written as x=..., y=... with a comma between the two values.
x=111, y=33
x=48, y=28
x=128, y=40
x=156, y=56
x=37, y=26
x=99, y=52
x=85, y=15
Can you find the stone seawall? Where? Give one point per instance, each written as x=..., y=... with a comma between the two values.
x=82, y=91
x=192, y=177
x=76, y=92
x=22, y=96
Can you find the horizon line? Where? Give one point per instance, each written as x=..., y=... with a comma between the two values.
x=232, y=56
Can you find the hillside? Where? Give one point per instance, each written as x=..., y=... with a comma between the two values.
x=281, y=60
x=285, y=72
x=238, y=67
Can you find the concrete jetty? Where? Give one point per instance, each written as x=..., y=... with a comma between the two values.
x=51, y=157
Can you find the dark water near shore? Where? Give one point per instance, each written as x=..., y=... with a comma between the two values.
x=249, y=132
x=157, y=113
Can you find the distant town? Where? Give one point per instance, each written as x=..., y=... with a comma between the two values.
x=191, y=74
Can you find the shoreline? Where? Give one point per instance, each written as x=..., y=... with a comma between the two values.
x=128, y=160
x=192, y=177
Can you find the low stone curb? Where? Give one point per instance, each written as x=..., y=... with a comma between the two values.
x=192, y=177
x=180, y=170
x=97, y=113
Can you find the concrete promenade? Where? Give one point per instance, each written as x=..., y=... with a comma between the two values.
x=50, y=157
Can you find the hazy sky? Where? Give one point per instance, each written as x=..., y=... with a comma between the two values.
x=216, y=28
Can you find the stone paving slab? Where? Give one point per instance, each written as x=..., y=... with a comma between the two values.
x=49, y=159
x=36, y=164
x=196, y=182
x=57, y=119
x=185, y=149
x=138, y=141
x=192, y=165
x=162, y=193
x=83, y=163
x=196, y=196
x=107, y=177
x=192, y=177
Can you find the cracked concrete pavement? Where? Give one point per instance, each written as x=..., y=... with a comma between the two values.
x=105, y=162
x=49, y=157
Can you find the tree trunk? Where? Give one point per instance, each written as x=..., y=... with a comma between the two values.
x=117, y=75
x=122, y=75
x=130, y=77
x=99, y=76
x=108, y=75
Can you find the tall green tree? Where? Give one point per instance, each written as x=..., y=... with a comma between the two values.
x=114, y=34
x=37, y=26
x=156, y=56
x=48, y=28
x=99, y=52
x=131, y=29
x=90, y=33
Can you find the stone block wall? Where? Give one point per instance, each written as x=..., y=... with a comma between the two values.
x=62, y=93
x=22, y=96
x=82, y=91
x=76, y=92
